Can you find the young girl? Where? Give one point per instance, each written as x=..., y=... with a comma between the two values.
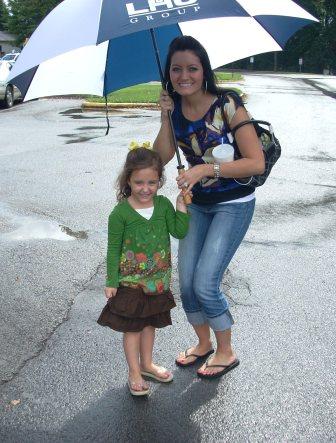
x=139, y=264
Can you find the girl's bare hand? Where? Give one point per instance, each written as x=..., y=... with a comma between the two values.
x=110, y=292
x=187, y=179
x=180, y=204
x=166, y=103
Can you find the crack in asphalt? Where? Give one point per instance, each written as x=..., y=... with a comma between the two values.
x=319, y=88
x=238, y=283
x=44, y=342
x=284, y=179
x=299, y=208
x=276, y=244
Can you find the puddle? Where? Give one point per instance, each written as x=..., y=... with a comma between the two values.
x=29, y=228
x=300, y=208
x=77, y=114
x=72, y=111
x=319, y=157
x=78, y=138
x=76, y=234
x=88, y=128
x=135, y=116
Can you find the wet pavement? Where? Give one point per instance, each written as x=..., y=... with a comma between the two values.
x=63, y=377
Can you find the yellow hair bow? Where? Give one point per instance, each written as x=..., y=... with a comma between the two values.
x=136, y=145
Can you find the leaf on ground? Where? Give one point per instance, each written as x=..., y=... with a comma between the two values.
x=15, y=402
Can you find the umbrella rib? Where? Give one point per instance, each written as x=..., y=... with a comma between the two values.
x=104, y=89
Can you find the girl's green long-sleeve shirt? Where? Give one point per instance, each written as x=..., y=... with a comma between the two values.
x=138, y=252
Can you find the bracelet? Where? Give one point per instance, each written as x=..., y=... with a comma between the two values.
x=216, y=168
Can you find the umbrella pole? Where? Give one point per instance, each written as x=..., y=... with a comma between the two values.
x=180, y=166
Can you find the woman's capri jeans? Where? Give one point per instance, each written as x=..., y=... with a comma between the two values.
x=214, y=235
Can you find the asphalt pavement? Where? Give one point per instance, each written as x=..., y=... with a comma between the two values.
x=64, y=377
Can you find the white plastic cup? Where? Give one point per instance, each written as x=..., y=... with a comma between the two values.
x=223, y=153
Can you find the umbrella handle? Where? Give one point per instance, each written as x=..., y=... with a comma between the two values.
x=186, y=196
x=180, y=167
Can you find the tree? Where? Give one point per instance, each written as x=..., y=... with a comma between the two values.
x=315, y=43
x=26, y=15
x=3, y=16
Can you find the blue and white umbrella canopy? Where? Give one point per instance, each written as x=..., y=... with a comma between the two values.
x=98, y=46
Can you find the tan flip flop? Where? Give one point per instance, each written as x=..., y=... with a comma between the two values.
x=135, y=392
x=157, y=378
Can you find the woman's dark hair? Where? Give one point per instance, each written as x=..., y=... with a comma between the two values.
x=187, y=43
x=139, y=158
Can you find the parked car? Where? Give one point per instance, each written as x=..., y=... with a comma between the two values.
x=10, y=57
x=8, y=92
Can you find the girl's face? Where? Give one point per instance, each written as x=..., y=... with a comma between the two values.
x=186, y=73
x=144, y=184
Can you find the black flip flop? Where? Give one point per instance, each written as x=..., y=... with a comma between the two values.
x=198, y=358
x=226, y=368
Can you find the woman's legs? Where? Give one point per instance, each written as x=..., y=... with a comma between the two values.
x=189, y=251
x=132, y=351
x=224, y=354
x=223, y=236
x=204, y=344
x=147, y=337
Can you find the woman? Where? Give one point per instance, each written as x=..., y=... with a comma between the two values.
x=222, y=209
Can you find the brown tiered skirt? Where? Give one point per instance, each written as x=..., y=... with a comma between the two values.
x=131, y=310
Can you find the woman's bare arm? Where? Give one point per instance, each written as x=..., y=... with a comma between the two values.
x=252, y=163
x=164, y=143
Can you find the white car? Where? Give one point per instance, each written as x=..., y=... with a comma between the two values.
x=11, y=57
x=8, y=92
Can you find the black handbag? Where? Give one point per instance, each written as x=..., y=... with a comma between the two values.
x=270, y=145
x=271, y=148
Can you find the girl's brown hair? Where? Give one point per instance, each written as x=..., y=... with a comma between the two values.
x=139, y=158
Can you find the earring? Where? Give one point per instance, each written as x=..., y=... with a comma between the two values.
x=167, y=87
x=205, y=87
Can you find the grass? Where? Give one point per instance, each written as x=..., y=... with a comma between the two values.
x=228, y=76
x=149, y=92
x=143, y=93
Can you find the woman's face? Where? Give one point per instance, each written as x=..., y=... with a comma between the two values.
x=186, y=73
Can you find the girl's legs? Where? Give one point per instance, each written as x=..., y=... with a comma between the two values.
x=132, y=352
x=147, y=337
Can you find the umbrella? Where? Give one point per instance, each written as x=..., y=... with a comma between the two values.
x=98, y=46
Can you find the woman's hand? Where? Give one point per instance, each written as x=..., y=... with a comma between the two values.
x=166, y=103
x=110, y=292
x=188, y=178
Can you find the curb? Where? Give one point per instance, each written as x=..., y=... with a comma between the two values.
x=115, y=106
x=112, y=106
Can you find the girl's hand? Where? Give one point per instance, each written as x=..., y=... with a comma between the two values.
x=180, y=205
x=166, y=103
x=188, y=178
x=110, y=292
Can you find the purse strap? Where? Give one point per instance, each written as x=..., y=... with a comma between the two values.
x=243, y=123
x=252, y=122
